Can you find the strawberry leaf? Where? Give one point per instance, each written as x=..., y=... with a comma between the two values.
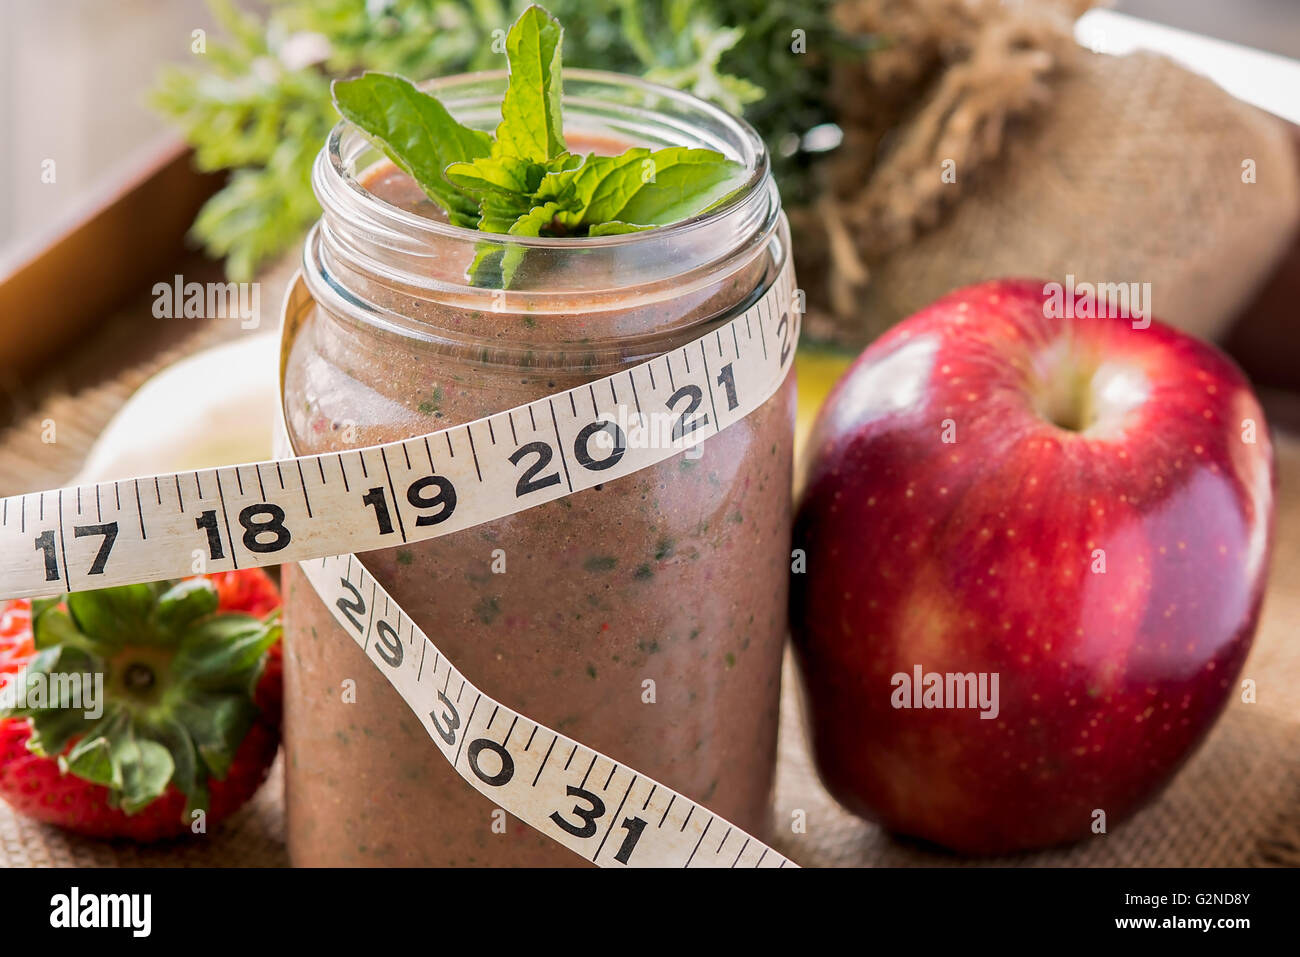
x=186, y=602
x=188, y=772
x=51, y=734
x=111, y=617
x=54, y=628
x=224, y=653
x=41, y=605
x=217, y=723
x=91, y=758
x=146, y=768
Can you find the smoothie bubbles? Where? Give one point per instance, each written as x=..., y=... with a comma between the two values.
x=533, y=238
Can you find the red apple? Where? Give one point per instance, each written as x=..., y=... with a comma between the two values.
x=1081, y=507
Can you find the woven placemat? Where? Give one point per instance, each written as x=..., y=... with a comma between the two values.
x=1237, y=803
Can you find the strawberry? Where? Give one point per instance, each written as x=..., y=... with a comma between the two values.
x=187, y=716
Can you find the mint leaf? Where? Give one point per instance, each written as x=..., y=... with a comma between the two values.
x=417, y=133
x=493, y=182
x=498, y=174
x=524, y=182
x=614, y=229
x=532, y=223
x=531, y=124
x=500, y=208
x=494, y=266
x=502, y=185
x=499, y=213
x=507, y=175
x=640, y=187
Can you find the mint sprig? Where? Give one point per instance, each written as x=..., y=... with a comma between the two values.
x=523, y=181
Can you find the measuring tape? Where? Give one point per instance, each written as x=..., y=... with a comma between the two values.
x=318, y=509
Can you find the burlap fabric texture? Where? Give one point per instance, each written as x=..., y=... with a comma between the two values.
x=983, y=142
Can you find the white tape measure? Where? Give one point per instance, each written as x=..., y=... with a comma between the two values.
x=318, y=509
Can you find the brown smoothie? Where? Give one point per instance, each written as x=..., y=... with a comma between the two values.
x=644, y=617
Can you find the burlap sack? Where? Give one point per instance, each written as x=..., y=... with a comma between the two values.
x=1066, y=163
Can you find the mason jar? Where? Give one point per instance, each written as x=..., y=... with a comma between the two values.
x=645, y=617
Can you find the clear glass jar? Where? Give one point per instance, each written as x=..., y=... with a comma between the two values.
x=676, y=574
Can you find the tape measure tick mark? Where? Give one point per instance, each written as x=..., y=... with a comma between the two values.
x=225, y=518
x=467, y=724
x=589, y=769
x=700, y=841
x=559, y=442
x=302, y=480
x=62, y=547
x=537, y=777
x=474, y=452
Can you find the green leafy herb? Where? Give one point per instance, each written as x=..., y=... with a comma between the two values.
x=524, y=182
x=531, y=127
x=256, y=98
x=639, y=187
x=417, y=133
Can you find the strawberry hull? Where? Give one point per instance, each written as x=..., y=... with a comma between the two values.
x=183, y=713
x=34, y=786
x=1077, y=506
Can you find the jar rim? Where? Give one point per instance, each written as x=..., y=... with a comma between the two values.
x=755, y=158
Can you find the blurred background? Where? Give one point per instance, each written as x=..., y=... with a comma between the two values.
x=75, y=77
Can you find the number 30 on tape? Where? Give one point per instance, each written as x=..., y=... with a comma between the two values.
x=318, y=509
x=600, y=809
